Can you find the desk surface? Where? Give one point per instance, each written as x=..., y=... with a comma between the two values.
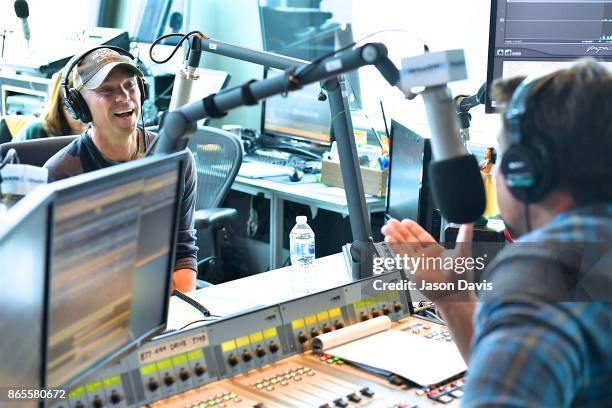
x=253, y=292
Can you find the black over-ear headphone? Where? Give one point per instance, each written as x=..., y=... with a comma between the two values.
x=528, y=164
x=74, y=102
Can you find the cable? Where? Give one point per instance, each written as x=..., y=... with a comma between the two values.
x=177, y=46
x=11, y=156
x=194, y=303
x=189, y=324
x=527, y=220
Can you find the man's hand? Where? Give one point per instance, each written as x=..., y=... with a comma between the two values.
x=408, y=237
x=184, y=280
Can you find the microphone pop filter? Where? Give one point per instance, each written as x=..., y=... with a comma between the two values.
x=21, y=8
x=457, y=188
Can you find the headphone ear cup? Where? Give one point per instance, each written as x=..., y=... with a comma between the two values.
x=529, y=171
x=70, y=105
x=76, y=106
x=144, y=90
x=84, y=115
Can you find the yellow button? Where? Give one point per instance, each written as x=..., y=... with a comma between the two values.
x=255, y=337
x=228, y=345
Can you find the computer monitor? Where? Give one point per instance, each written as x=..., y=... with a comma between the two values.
x=23, y=254
x=408, y=190
x=112, y=236
x=151, y=23
x=529, y=37
x=299, y=116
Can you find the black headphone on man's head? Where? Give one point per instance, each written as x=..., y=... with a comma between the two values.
x=74, y=101
x=528, y=164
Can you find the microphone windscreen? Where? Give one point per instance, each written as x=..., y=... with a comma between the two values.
x=21, y=9
x=457, y=188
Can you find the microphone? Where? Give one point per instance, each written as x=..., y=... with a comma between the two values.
x=23, y=12
x=457, y=185
x=463, y=104
x=183, y=80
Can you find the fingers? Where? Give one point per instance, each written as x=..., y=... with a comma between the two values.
x=466, y=233
x=418, y=232
x=395, y=232
x=464, y=240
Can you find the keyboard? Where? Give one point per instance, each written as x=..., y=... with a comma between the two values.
x=254, y=169
x=282, y=159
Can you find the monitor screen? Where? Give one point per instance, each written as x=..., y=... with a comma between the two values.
x=531, y=37
x=408, y=192
x=299, y=115
x=23, y=252
x=112, y=239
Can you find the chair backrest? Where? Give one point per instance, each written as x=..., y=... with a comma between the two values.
x=218, y=156
x=36, y=151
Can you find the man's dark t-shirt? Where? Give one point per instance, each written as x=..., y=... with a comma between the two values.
x=82, y=156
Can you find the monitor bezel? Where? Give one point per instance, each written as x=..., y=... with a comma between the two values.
x=491, y=58
x=86, y=180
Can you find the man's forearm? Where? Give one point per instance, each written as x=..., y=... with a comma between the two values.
x=458, y=317
x=184, y=280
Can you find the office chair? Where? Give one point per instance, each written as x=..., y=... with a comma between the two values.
x=218, y=156
x=36, y=151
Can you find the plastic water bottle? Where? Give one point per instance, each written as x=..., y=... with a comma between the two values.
x=302, y=248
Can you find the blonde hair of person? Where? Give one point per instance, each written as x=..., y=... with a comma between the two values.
x=54, y=117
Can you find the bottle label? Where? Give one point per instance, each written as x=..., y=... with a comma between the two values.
x=303, y=248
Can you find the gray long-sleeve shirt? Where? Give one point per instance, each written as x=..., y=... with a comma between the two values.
x=82, y=156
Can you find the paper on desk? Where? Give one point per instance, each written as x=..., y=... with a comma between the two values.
x=421, y=360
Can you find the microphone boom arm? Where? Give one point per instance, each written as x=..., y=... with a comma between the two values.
x=178, y=125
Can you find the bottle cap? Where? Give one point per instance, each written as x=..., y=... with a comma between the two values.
x=301, y=219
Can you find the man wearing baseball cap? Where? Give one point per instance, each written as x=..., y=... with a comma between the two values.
x=108, y=93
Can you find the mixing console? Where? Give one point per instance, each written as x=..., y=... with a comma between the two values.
x=263, y=359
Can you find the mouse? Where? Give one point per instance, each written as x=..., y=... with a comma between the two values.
x=296, y=175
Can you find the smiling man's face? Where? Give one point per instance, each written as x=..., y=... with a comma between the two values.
x=115, y=103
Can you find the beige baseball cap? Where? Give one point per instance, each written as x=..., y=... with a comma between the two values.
x=96, y=66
